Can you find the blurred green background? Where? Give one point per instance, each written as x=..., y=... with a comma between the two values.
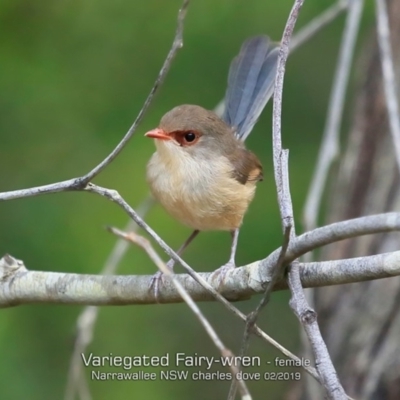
x=74, y=75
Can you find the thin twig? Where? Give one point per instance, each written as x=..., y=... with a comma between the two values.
x=253, y=316
x=298, y=302
x=176, y=45
x=319, y=22
x=328, y=234
x=284, y=198
x=389, y=77
x=305, y=34
x=225, y=352
x=63, y=186
x=276, y=276
x=330, y=142
x=86, y=320
x=115, y=197
x=280, y=158
x=80, y=183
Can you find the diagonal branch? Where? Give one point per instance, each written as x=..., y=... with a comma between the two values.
x=319, y=22
x=176, y=45
x=225, y=352
x=81, y=182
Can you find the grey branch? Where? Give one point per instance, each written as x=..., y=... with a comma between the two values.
x=298, y=302
x=81, y=182
x=319, y=22
x=21, y=286
x=309, y=241
x=280, y=157
x=308, y=318
x=176, y=45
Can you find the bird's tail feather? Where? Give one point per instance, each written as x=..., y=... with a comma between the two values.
x=250, y=84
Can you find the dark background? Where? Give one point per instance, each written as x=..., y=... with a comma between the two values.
x=73, y=76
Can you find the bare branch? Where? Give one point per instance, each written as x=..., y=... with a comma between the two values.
x=261, y=334
x=308, y=318
x=389, y=78
x=176, y=45
x=280, y=157
x=80, y=183
x=330, y=141
x=63, y=186
x=114, y=196
x=298, y=302
x=21, y=286
x=309, y=241
x=305, y=34
x=319, y=22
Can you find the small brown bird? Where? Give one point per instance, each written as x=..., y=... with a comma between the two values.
x=202, y=173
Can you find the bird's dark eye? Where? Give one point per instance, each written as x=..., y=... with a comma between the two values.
x=190, y=136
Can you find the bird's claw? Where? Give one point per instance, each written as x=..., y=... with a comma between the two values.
x=222, y=271
x=154, y=285
x=158, y=278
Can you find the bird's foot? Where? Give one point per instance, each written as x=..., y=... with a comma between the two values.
x=158, y=279
x=222, y=271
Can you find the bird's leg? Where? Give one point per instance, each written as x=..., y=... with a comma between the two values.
x=171, y=262
x=231, y=262
x=159, y=276
x=235, y=237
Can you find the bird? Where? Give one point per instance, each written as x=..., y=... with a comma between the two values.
x=201, y=172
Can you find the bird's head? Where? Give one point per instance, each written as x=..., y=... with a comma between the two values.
x=192, y=131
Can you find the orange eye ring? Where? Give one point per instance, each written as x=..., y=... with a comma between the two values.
x=186, y=138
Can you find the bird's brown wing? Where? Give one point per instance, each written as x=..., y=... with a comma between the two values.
x=246, y=166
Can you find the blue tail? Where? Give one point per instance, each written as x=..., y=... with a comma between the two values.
x=250, y=84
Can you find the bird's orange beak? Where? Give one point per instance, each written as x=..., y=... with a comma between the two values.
x=158, y=134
